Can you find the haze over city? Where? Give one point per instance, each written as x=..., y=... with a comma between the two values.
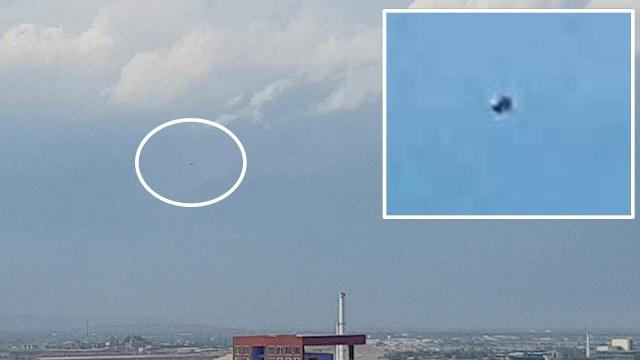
x=300, y=84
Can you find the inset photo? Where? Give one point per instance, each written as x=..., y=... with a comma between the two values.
x=508, y=114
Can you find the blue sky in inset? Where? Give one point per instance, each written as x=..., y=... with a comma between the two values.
x=564, y=150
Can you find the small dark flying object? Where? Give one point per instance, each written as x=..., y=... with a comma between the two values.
x=191, y=163
x=501, y=104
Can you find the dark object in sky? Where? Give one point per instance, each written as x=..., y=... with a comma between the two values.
x=191, y=163
x=502, y=104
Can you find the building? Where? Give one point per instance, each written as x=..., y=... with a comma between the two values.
x=617, y=349
x=291, y=347
x=621, y=344
x=529, y=355
x=616, y=355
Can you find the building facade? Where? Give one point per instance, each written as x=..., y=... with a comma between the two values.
x=290, y=347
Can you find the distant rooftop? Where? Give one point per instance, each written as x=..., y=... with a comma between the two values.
x=304, y=340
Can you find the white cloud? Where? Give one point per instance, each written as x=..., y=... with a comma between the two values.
x=305, y=44
x=74, y=63
x=153, y=54
x=45, y=45
x=253, y=109
x=270, y=91
x=161, y=76
x=354, y=90
x=614, y=4
x=233, y=101
x=117, y=29
x=144, y=25
x=302, y=48
x=509, y=4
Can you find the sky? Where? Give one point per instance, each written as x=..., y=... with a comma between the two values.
x=190, y=162
x=564, y=150
x=300, y=84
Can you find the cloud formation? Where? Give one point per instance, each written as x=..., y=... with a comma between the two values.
x=253, y=109
x=155, y=55
x=302, y=48
x=160, y=76
x=352, y=91
x=33, y=44
x=164, y=55
x=508, y=4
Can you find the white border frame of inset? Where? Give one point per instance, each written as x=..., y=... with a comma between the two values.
x=386, y=216
x=166, y=200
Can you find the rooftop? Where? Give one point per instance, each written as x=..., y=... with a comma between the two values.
x=305, y=340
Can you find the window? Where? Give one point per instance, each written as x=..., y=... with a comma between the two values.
x=237, y=349
x=271, y=350
x=279, y=350
x=296, y=351
x=287, y=350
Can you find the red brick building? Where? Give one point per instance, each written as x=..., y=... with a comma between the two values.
x=289, y=347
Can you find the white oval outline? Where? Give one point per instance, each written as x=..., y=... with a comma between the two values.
x=197, y=121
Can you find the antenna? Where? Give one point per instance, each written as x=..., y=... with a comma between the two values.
x=340, y=326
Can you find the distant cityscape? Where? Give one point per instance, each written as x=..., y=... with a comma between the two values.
x=111, y=340
x=209, y=344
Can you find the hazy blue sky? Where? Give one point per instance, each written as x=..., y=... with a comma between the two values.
x=82, y=85
x=563, y=151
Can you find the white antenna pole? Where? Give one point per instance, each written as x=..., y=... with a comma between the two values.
x=587, y=348
x=340, y=330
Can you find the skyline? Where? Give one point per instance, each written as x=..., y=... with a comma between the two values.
x=77, y=323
